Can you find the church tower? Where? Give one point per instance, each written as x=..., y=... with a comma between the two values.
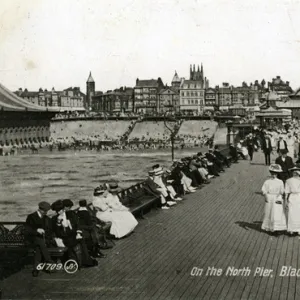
x=90, y=91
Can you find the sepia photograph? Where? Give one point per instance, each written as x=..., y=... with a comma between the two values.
x=150, y=149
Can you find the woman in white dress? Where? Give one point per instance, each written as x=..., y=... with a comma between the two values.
x=110, y=209
x=273, y=190
x=292, y=191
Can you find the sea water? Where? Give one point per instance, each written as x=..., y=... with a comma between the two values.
x=27, y=179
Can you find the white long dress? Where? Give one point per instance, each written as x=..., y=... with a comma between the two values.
x=112, y=210
x=292, y=187
x=274, y=217
x=291, y=146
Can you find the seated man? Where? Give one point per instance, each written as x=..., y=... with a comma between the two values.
x=186, y=181
x=89, y=230
x=66, y=229
x=153, y=188
x=176, y=177
x=211, y=168
x=233, y=153
x=165, y=189
x=212, y=158
x=194, y=165
x=169, y=183
x=185, y=168
x=39, y=235
x=221, y=157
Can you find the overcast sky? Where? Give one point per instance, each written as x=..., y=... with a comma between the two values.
x=46, y=43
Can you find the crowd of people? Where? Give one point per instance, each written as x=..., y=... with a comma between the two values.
x=81, y=230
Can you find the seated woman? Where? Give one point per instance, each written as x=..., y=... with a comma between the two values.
x=110, y=209
x=69, y=235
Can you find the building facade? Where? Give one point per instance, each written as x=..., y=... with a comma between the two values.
x=146, y=95
x=282, y=88
x=169, y=100
x=116, y=101
x=192, y=92
x=70, y=98
x=211, y=99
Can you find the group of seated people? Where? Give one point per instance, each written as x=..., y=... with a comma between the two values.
x=80, y=231
x=185, y=176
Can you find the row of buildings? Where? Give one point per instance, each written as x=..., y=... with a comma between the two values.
x=152, y=96
x=70, y=99
x=187, y=96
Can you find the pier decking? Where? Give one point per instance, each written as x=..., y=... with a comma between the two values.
x=170, y=252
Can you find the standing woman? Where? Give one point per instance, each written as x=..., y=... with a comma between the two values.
x=273, y=190
x=292, y=191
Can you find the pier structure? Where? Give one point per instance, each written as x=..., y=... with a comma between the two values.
x=210, y=246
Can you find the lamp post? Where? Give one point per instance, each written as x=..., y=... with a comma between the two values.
x=172, y=131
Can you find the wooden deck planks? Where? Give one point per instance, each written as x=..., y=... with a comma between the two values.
x=156, y=261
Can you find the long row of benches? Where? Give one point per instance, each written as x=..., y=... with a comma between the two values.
x=136, y=197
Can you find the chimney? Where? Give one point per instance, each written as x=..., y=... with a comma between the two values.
x=287, y=83
x=277, y=77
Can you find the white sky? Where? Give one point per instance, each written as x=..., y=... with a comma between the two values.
x=46, y=43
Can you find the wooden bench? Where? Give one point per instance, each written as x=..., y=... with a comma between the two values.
x=138, y=199
x=12, y=239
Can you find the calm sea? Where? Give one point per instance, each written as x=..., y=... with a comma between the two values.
x=27, y=179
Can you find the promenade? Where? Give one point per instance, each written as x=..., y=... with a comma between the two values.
x=170, y=252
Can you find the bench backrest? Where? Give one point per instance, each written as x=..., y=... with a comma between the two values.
x=12, y=233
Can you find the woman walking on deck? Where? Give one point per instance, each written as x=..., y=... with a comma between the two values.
x=273, y=190
x=292, y=191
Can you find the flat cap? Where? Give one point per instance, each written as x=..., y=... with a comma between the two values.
x=45, y=206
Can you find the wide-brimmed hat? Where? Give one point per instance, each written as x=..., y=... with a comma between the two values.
x=275, y=168
x=295, y=168
x=99, y=191
x=114, y=187
x=151, y=173
x=158, y=171
x=57, y=205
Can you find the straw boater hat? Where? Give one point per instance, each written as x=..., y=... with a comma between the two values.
x=295, y=168
x=99, y=191
x=151, y=173
x=158, y=171
x=114, y=187
x=275, y=168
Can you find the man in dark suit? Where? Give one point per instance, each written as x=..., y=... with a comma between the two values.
x=89, y=230
x=221, y=157
x=233, y=153
x=39, y=235
x=251, y=144
x=281, y=145
x=267, y=148
x=286, y=163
